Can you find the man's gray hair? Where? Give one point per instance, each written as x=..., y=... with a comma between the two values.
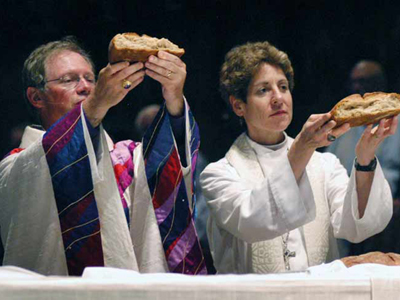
x=34, y=70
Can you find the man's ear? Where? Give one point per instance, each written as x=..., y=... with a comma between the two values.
x=237, y=105
x=34, y=96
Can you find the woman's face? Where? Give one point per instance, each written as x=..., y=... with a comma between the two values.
x=268, y=111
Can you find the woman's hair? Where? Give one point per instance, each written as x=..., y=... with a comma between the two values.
x=242, y=62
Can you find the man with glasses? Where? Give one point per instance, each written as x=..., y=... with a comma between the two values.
x=71, y=198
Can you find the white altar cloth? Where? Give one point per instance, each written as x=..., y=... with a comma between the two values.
x=329, y=281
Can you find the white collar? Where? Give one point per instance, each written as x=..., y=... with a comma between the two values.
x=267, y=149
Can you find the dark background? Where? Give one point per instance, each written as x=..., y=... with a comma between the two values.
x=323, y=41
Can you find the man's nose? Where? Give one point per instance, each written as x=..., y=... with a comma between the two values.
x=84, y=86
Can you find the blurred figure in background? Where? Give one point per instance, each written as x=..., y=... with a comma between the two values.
x=145, y=117
x=15, y=135
x=365, y=77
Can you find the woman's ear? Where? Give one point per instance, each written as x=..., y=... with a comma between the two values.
x=238, y=106
x=34, y=96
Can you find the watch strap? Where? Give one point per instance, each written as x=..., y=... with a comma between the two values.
x=368, y=168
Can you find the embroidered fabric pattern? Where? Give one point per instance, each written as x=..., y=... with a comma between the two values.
x=173, y=211
x=69, y=166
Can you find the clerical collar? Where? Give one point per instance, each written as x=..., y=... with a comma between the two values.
x=262, y=148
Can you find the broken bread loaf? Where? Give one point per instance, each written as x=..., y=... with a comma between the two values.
x=368, y=109
x=132, y=47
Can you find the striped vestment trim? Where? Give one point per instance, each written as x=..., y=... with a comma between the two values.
x=174, y=213
x=69, y=166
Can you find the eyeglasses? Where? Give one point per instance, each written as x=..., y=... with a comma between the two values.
x=71, y=81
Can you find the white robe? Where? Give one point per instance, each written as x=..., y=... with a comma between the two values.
x=246, y=210
x=29, y=222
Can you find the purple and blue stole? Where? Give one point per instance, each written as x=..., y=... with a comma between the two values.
x=68, y=161
x=170, y=200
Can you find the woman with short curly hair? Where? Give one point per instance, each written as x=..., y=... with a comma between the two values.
x=275, y=203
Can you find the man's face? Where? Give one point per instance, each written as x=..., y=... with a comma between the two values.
x=359, y=81
x=58, y=98
x=366, y=77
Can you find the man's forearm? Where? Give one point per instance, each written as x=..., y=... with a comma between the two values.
x=176, y=108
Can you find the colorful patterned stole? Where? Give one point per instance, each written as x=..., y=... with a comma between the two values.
x=173, y=209
x=68, y=161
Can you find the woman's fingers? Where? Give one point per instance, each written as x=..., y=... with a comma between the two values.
x=393, y=124
x=317, y=121
x=342, y=129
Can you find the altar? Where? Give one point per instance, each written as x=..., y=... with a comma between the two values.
x=327, y=282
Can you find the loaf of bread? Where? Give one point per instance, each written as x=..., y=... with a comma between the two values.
x=388, y=259
x=132, y=47
x=368, y=109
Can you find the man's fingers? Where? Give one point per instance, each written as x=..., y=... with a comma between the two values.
x=135, y=80
x=135, y=76
x=164, y=71
x=128, y=71
x=115, y=68
x=161, y=65
x=119, y=71
x=156, y=76
x=172, y=58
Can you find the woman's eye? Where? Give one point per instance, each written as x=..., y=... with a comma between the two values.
x=262, y=91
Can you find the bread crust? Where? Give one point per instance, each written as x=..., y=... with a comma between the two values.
x=377, y=257
x=123, y=47
x=370, y=108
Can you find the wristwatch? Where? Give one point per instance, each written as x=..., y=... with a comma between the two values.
x=368, y=168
